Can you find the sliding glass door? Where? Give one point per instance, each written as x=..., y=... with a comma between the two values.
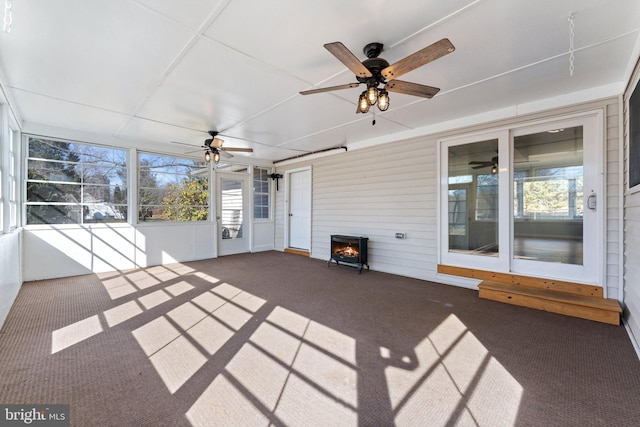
x=524, y=200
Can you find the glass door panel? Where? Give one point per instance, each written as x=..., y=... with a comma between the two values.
x=548, y=196
x=231, y=215
x=557, y=224
x=473, y=190
x=231, y=210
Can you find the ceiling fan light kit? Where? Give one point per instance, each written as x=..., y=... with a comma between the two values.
x=213, y=148
x=363, y=103
x=375, y=71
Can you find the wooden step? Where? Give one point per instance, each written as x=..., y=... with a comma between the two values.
x=532, y=282
x=571, y=299
x=297, y=251
x=585, y=307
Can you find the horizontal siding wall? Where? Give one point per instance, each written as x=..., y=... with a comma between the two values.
x=376, y=193
x=379, y=191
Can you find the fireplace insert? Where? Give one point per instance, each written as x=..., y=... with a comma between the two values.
x=349, y=250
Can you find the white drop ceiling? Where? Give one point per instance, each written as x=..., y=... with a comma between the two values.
x=157, y=72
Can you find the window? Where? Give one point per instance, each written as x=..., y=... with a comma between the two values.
x=261, y=199
x=487, y=198
x=9, y=158
x=172, y=189
x=551, y=193
x=75, y=183
x=2, y=196
x=457, y=211
x=12, y=165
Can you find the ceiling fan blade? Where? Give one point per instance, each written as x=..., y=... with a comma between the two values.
x=225, y=154
x=238, y=149
x=409, y=88
x=194, y=151
x=345, y=56
x=484, y=163
x=418, y=59
x=327, y=89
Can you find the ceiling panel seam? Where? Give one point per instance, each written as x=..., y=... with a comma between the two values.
x=513, y=70
x=197, y=35
x=435, y=24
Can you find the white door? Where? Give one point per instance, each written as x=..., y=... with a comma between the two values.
x=525, y=200
x=299, y=209
x=232, y=213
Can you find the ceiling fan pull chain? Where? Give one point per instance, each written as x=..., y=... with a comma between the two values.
x=8, y=16
x=571, y=46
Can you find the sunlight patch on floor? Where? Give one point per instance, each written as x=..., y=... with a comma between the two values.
x=123, y=312
x=177, y=362
x=75, y=333
x=122, y=283
x=119, y=287
x=119, y=284
x=206, y=277
x=457, y=376
x=179, y=288
x=292, y=371
x=228, y=406
x=181, y=341
x=154, y=299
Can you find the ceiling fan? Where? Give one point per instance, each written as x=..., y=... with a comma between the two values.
x=493, y=163
x=213, y=148
x=375, y=71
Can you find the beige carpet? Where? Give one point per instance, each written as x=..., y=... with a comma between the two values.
x=283, y=340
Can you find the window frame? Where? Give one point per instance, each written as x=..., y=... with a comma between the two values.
x=81, y=207
x=140, y=155
x=13, y=178
x=267, y=194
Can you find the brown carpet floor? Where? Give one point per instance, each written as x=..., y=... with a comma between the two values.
x=279, y=339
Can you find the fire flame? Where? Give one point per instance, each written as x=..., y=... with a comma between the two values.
x=348, y=252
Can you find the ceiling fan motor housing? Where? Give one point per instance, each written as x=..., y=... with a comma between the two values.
x=372, y=50
x=375, y=65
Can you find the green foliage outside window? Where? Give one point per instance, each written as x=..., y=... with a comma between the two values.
x=186, y=201
x=172, y=189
